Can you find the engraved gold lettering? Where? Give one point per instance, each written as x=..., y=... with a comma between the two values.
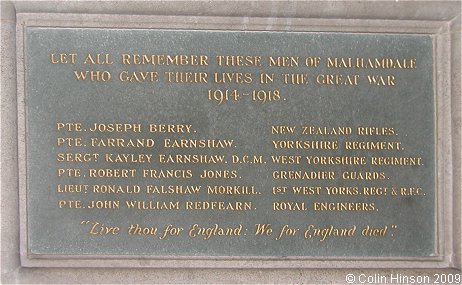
x=303, y=175
x=238, y=60
x=112, y=173
x=174, y=129
x=138, y=76
x=115, y=127
x=323, y=233
x=99, y=58
x=164, y=59
x=62, y=58
x=186, y=77
x=121, y=142
x=218, y=205
x=167, y=173
x=104, y=204
x=283, y=61
x=373, y=63
x=208, y=232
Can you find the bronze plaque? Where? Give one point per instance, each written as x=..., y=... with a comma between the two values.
x=225, y=143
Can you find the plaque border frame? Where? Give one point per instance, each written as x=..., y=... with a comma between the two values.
x=440, y=31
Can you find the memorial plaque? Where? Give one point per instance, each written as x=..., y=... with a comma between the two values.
x=181, y=143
